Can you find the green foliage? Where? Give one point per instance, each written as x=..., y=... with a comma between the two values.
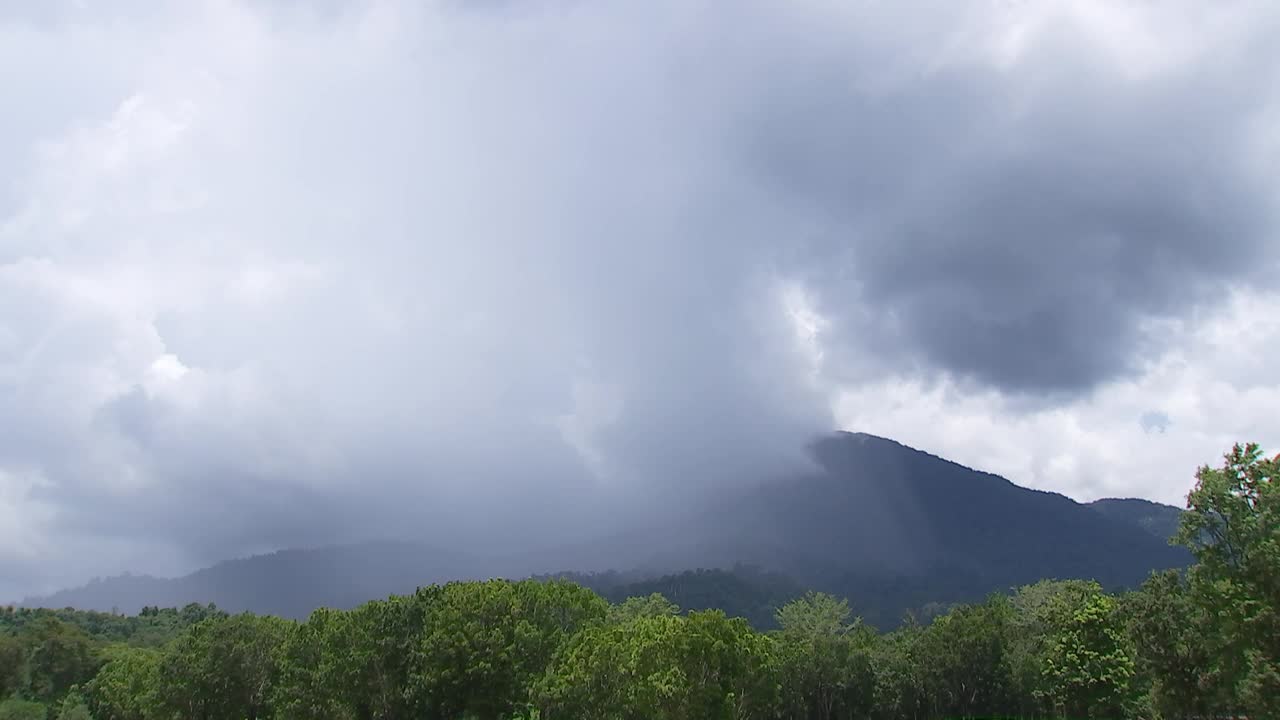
x=379, y=640
x=744, y=592
x=899, y=680
x=964, y=658
x=664, y=667
x=652, y=605
x=315, y=667
x=826, y=668
x=223, y=668
x=44, y=653
x=1089, y=666
x=152, y=627
x=483, y=643
x=815, y=615
x=73, y=707
x=1040, y=613
x=14, y=709
x=1169, y=633
x=128, y=685
x=59, y=656
x=13, y=665
x=1232, y=525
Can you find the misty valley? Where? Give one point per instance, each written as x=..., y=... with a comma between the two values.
x=1033, y=606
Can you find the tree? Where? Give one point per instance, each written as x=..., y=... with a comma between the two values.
x=14, y=709
x=376, y=644
x=964, y=659
x=663, y=667
x=73, y=707
x=1088, y=665
x=825, y=658
x=619, y=670
x=1232, y=526
x=732, y=669
x=899, y=682
x=224, y=668
x=1171, y=636
x=193, y=613
x=60, y=657
x=652, y=605
x=1040, y=613
x=13, y=665
x=127, y=687
x=484, y=643
x=312, y=683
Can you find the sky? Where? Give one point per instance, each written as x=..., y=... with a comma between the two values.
x=278, y=273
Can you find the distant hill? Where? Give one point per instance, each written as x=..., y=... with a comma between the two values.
x=289, y=583
x=890, y=527
x=1156, y=518
x=894, y=528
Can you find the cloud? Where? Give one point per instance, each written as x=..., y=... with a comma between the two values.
x=279, y=273
x=1018, y=220
x=1209, y=382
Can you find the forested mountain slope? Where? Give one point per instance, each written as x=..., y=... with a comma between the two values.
x=889, y=527
x=289, y=583
x=1156, y=518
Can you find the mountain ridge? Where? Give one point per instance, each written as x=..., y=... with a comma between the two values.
x=886, y=525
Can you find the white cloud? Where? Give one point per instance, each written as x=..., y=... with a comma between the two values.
x=1212, y=384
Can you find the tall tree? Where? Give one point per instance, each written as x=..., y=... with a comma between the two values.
x=1065, y=643
x=224, y=668
x=964, y=658
x=651, y=605
x=13, y=665
x=663, y=667
x=1171, y=636
x=376, y=644
x=899, y=680
x=1232, y=525
x=73, y=707
x=483, y=644
x=60, y=656
x=825, y=659
x=128, y=686
x=312, y=684
x=1089, y=664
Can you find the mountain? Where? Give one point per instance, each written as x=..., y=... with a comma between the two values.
x=890, y=527
x=1156, y=518
x=893, y=528
x=289, y=583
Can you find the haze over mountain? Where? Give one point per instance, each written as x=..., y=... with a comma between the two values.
x=890, y=527
x=480, y=274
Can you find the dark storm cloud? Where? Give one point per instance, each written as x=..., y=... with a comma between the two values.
x=504, y=273
x=1018, y=226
